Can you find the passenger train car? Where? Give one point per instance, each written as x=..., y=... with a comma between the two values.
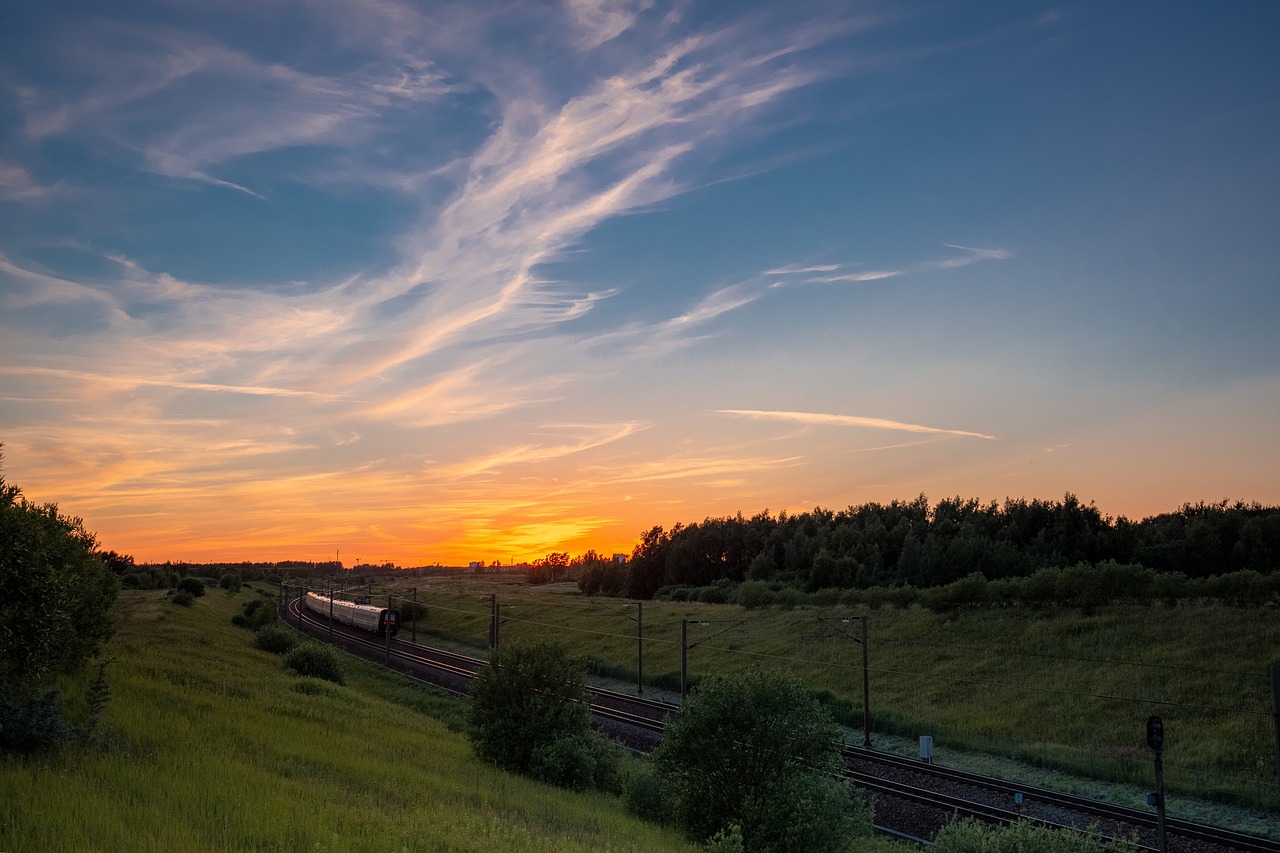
x=366, y=617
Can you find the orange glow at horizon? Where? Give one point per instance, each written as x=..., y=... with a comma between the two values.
x=206, y=502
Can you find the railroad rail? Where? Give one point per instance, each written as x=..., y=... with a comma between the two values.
x=944, y=791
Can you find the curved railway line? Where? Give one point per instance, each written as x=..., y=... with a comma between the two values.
x=913, y=799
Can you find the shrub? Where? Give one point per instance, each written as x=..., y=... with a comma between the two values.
x=727, y=840
x=787, y=598
x=96, y=696
x=139, y=580
x=643, y=796
x=673, y=593
x=55, y=610
x=32, y=722
x=1083, y=586
x=193, y=586
x=1041, y=588
x=720, y=592
x=753, y=594
x=183, y=597
x=255, y=614
x=529, y=697
x=761, y=753
x=275, y=638
x=315, y=661
x=567, y=762
x=969, y=591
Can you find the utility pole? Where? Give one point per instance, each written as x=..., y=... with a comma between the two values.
x=640, y=657
x=639, y=620
x=866, y=670
x=1155, y=740
x=386, y=629
x=685, y=646
x=493, y=620
x=866, y=690
x=684, y=659
x=1275, y=711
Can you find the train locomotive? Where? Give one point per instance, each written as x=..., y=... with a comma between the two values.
x=366, y=617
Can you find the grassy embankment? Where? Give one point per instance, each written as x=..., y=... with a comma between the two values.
x=1025, y=684
x=208, y=744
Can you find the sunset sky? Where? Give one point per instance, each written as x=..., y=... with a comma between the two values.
x=439, y=282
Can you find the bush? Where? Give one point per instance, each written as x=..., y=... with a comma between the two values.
x=193, y=586
x=753, y=594
x=315, y=661
x=275, y=638
x=32, y=722
x=55, y=610
x=722, y=591
x=728, y=840
x=255, y=614
x=530, y=696
x=969, y=591
x=577, y=762
x=787, y=598
x=676, y=592
x=184, y=598
x=643, y=796
x=139, y=580
x=758, y=752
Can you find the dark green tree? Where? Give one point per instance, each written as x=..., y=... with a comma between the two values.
x=55, y=593
x=759, y=753
x=528, y=697
x=55, y=613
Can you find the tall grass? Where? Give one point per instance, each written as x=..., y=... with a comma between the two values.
x=1057, y=687
x=208, y=744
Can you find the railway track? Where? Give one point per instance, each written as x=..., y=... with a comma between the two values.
x=914, y=799
x=1052, y=807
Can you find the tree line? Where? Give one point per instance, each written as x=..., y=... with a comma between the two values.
x=919, y=545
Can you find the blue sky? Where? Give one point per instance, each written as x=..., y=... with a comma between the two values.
x=479, y=281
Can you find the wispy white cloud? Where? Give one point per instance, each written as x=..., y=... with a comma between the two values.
x=869, y=275
x=819, y=419
x=148, y=80
x=601, y=21
x=17, y=184
x=120, y=381
x=588, y=437
x=788, y=276
x=802, y=270
x=715, y=304
x=970, y=256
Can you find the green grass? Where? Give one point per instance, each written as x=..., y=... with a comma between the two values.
x=208, y=744
x=1043, y=687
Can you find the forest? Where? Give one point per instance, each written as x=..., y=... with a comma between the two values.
x=917, y=545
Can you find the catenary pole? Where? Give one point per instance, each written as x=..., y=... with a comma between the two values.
x=1275, y=712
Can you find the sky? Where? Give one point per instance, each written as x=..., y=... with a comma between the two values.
x=433, y=282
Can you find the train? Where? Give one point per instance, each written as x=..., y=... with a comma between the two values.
x=366, y=617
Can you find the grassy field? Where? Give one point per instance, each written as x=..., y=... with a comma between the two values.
x=1059, y=689
x=209, y=745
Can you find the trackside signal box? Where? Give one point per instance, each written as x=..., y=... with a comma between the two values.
x=1155, y=733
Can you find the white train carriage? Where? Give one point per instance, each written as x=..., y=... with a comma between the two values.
x=366, y=617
